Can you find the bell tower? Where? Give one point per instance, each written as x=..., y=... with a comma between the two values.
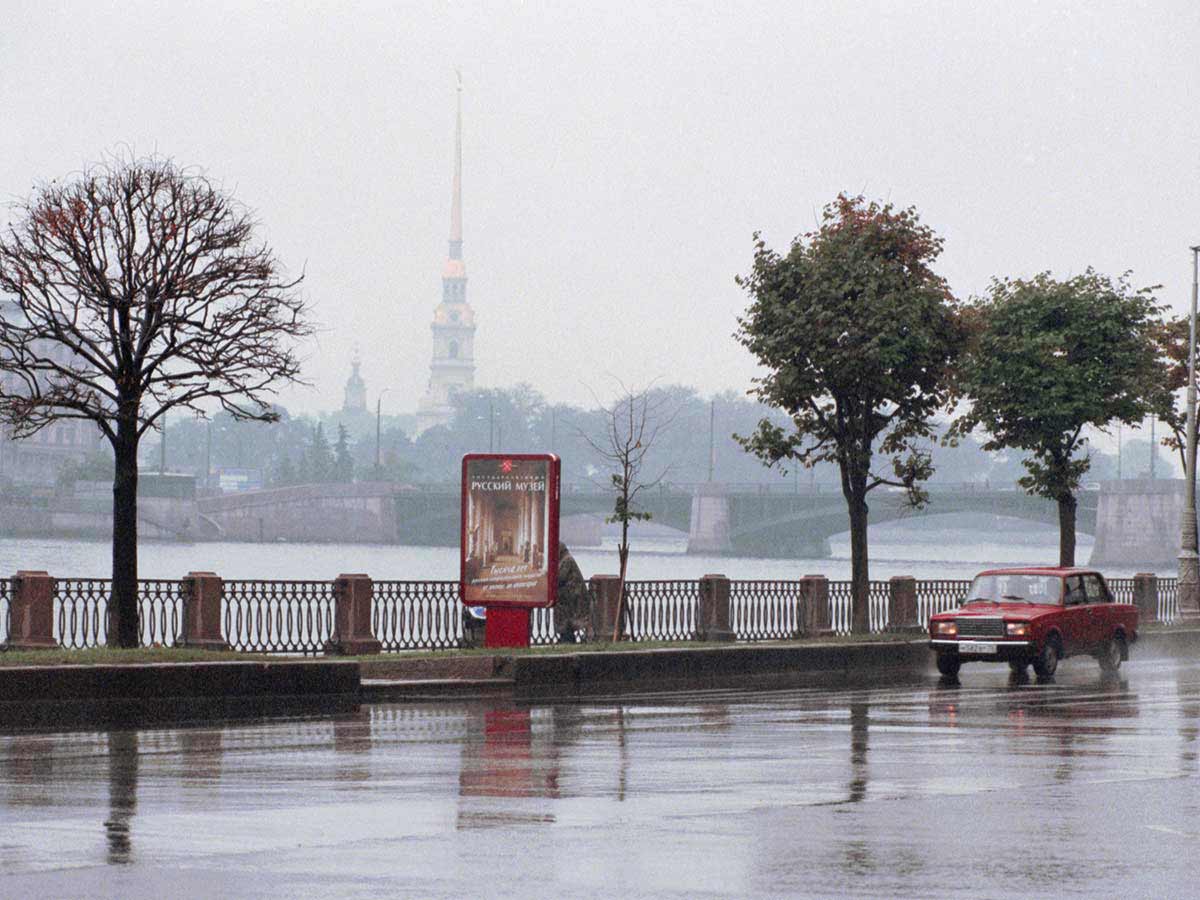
x=453, y=366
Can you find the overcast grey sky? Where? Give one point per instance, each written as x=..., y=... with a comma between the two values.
x=618, y=156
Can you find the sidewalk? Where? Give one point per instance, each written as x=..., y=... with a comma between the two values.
x=73, y=695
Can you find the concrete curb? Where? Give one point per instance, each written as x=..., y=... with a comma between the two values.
x=56, y=696
x=193, y=679
x=52, y=696
x=578, y=674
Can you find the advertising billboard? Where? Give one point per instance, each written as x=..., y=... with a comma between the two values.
x=509, y=541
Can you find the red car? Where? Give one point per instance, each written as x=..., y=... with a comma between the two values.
x=1034, y=615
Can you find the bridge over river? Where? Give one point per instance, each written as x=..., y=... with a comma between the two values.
x=1134, y=522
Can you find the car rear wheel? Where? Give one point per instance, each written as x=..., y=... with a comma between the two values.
x=1111, y=654
x=1047, y=661
x=949, y=664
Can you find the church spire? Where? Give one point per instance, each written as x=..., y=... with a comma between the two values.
x=456, y=237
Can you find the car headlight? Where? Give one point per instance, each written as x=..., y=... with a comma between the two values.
x=945, y=629
x=1017, y=629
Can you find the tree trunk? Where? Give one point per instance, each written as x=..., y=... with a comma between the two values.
x=623, y=555
x=123, y=605
x=1066, y=529
x=860, y=584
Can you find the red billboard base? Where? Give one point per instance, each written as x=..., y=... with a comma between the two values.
x=506, y=627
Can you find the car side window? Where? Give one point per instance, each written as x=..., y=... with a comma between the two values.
x=1095, y=589
x=1075, y=591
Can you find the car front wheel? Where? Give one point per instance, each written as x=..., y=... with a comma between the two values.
x=1047, y=661
x=1110, y=655
x=948, y=664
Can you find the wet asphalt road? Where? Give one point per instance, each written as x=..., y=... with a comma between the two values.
x=919, y=789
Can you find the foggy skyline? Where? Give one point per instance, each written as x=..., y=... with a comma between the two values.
x=617, y=159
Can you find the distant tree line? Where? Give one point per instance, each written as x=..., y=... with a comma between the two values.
x=297, y=449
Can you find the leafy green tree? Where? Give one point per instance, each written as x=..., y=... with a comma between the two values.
x=343, y=462
x=857, y=334
x=1174, y=339
x=1050, y=358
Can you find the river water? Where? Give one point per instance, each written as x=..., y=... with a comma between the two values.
x=942, y=547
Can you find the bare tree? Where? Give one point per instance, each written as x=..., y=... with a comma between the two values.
x=132, y=289
x=632, y=424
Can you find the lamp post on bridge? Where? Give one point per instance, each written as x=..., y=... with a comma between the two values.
x=379, y=431
x=1189, y=560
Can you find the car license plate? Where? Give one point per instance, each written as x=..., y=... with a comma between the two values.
x=976, y=647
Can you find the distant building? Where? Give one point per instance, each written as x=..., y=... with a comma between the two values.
x=36, y=460
x=356, y=389
x=453, y=366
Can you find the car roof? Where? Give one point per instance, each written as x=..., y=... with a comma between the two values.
x=1042, y=570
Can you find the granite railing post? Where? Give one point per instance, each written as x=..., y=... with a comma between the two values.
x=1145, y=596
x=31, y=612
x=606, y=591
x=814, y=594
x=712, y=613
x=202, y=596
x=352, y=617
x=902, y=604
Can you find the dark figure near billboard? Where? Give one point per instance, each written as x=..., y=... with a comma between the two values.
x=572, y=609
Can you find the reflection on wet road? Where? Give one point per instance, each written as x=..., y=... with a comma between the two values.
x=918, y=789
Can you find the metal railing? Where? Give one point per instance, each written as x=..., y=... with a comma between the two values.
x=279, y=616
x=661, y=610
x=938, y=595
x=81, y=612
x=4, y=608
x=1168, y=599
x=417, y=615
x=841, y=610
x=765, y=610
x=299, y=617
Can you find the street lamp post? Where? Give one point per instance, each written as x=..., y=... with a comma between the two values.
x=379, y=430
x=1189, y=560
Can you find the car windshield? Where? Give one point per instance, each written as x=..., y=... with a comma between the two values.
x=1015, y=588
